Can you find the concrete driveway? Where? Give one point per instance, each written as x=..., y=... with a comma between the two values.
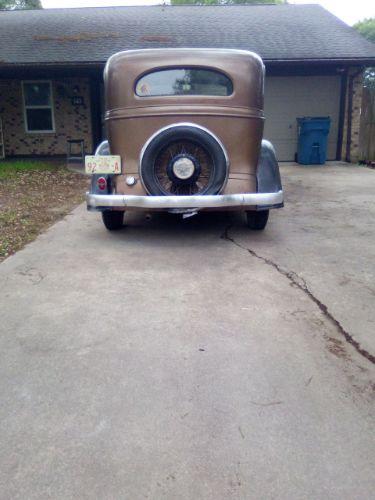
x=195, y=360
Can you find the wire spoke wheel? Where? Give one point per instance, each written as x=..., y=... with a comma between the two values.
x=200, y=178
x=183, y=160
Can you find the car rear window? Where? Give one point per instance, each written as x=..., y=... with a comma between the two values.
x=184, y=81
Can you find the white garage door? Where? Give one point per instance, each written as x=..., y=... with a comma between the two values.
x=288, y=98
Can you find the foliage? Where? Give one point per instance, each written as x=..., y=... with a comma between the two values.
x=367, y=29
x=369, y=79
x=225, y=2
x=20, y=4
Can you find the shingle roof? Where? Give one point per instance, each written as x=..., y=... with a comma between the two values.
x=276, y=32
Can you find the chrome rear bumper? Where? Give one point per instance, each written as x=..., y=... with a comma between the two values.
x=101, y=201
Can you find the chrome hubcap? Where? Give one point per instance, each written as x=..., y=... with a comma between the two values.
x=183, y=168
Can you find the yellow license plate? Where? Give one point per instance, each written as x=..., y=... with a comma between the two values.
x=97, y=164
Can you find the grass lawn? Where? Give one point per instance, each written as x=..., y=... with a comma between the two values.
x=10, y=168
x=33, y=195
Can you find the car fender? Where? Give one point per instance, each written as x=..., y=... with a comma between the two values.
x=268, y=172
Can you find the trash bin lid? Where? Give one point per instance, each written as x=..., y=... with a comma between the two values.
x=314, y=118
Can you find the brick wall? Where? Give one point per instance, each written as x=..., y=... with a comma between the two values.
x=356, y=117
x=71, y=121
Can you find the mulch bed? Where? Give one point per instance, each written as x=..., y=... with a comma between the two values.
x=32, y=200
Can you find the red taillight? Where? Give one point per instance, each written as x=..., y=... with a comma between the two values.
x=102, y=183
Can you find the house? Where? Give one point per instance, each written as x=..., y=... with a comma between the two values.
x=51, y=65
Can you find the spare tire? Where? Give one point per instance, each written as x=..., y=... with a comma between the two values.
x=183, y=160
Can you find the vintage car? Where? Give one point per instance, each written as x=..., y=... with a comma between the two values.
x=184, y=130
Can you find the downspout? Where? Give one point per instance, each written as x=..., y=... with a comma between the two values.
x=350, y=113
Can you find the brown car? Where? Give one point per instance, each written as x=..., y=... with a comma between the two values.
x=185, y=130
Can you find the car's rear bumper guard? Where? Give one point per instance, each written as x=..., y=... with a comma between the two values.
x=100, y=201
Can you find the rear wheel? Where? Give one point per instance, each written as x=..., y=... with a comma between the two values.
x=257, y=220
x=113, y=219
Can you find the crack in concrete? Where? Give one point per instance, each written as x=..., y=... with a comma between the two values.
x=301, y=284
x=272, y=403
x=34, y=276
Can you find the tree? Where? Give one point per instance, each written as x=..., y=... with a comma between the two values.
x=20, y=4
x=367, y=29
x=225, y=2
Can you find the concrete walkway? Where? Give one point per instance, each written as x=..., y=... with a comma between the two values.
x=195, y=360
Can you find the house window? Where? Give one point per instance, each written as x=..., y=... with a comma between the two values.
x=38, y=109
